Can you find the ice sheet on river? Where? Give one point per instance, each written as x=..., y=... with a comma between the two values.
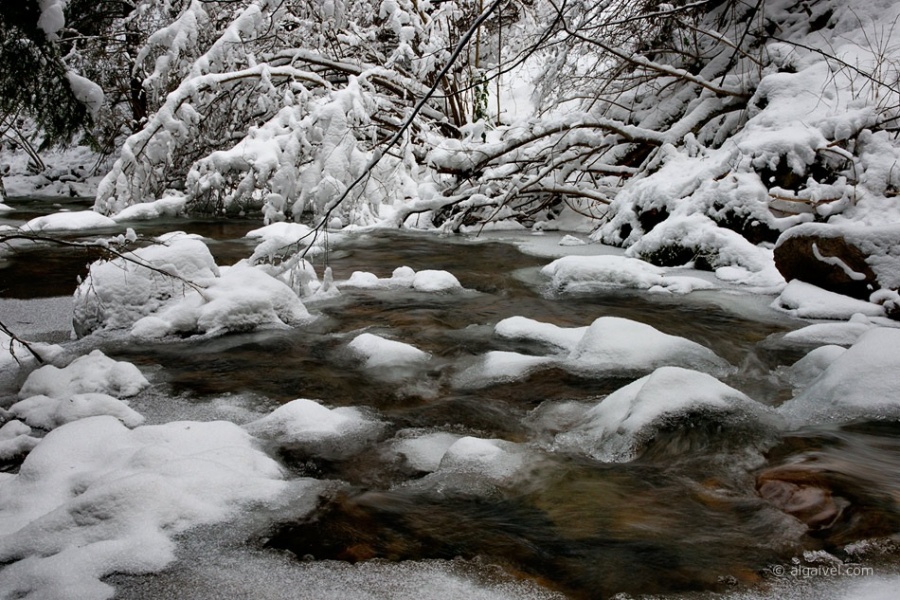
x=617, y=427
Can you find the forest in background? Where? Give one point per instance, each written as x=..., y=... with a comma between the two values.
x=686, y=131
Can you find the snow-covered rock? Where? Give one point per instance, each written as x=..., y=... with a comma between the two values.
x=594, y=273
x=326, y=432
x=117, y=293
x=805, y=300
x=242, y=299
x=862, y=382
x=620, y=424
x=95, y=498
x=94, y=373
x=45, y=412
x=613, y=343
x=69, y=221
x=377, y=352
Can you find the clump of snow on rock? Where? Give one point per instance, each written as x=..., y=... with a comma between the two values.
x=616, y=428
x=16, y=440
x=176, y=287
x=48, y=413
x=93, y=373
x=95, y=498
x=596, y=273
x=377, y=351
x=862, y=382
x=326, y=432
x=807, y=301
x=69, y=221
x=428, y=280
x=609, y=345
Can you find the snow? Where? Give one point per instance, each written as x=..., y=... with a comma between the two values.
x=614, y=343
x=807, y=369
x=94, y=373
x=95, y=498
x=16, y=440
x=379, y=352
x=862, y=382
x=616, y=428
x=336, y=432
x=841, y=334
x=69, y=221
x=565, y=338
x=428, y=281
x=423, y=452
x=117, y=293
x=168, y=206
x=175, y=287
x=807, y=301
x=596, y=273
x=609, y=345
x=48, y=413
x=242, y=299
x=497, y=460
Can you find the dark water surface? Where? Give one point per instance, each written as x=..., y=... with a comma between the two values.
x=699, y=509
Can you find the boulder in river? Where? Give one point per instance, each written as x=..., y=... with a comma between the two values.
x=848, y=260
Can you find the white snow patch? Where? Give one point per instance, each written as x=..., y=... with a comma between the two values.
x=168, y=206
x=842, y=334
x=424, y=452
x=807, y=301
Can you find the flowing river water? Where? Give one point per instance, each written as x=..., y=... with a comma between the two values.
x=701, y=510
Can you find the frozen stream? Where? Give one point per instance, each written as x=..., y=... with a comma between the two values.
x=518, y=509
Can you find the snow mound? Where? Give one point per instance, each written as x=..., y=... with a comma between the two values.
x=117, y=293
x=423, y=452
x=592, y=273
x=522, y=328
x=499, y=366
x=168, y=206
x=699, y=237
x=429, y=280
x=69, y=221
x=177, y=288
x=93, y=373
x=807, y=369
x=243, y=298
x=616, y=428
x=807, y=301
x=841, y=334
x=610, y=345
x=326, y=432
x=377, y=352
x=863, y=382
x=276, y=238
x=616, y=343
x=15, y=353
x=16, y=440
x=48, y=413
x=96, y=498
x=497, y=460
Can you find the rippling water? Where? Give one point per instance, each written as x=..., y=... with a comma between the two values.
x=699, y=509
